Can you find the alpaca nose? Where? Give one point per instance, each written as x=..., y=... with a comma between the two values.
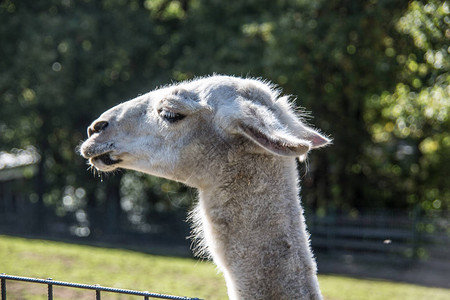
x=97, y=127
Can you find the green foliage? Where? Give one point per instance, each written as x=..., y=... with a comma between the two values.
x=412, y=119
x=373, y=72
x=67, y=62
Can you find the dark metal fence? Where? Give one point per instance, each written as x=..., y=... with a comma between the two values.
x=386, y=237
x=97, y=288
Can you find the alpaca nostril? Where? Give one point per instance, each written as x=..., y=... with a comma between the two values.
x=97, y=127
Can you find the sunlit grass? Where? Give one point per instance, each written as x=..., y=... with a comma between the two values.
x=344, y=288
x=109, y=267
x=167, y=275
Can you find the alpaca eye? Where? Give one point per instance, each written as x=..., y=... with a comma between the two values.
x=170, y=116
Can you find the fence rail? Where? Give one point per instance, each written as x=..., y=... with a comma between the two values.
x=388, y=238
x=97, y=288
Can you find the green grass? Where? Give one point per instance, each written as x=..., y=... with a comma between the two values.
x=175, y=276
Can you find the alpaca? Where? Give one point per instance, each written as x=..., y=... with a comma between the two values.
x=236, y=141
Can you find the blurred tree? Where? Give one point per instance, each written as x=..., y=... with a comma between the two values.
x=63, y=63
x=410, y=124
x=330, y=53
x=339, y=56
x=373, y=72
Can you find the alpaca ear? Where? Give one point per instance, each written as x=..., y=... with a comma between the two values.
x=275, y=141
x=262, y=127
x=316, y=139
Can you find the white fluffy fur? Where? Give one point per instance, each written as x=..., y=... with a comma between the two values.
x=236, y=141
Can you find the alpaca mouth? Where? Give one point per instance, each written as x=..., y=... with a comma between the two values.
x=106, y=159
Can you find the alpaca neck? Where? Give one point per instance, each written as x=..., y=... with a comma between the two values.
x=254, y=230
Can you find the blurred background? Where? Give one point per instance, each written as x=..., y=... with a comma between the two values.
x=373, y=73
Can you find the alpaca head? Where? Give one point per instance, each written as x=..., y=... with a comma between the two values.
x=186, y=131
